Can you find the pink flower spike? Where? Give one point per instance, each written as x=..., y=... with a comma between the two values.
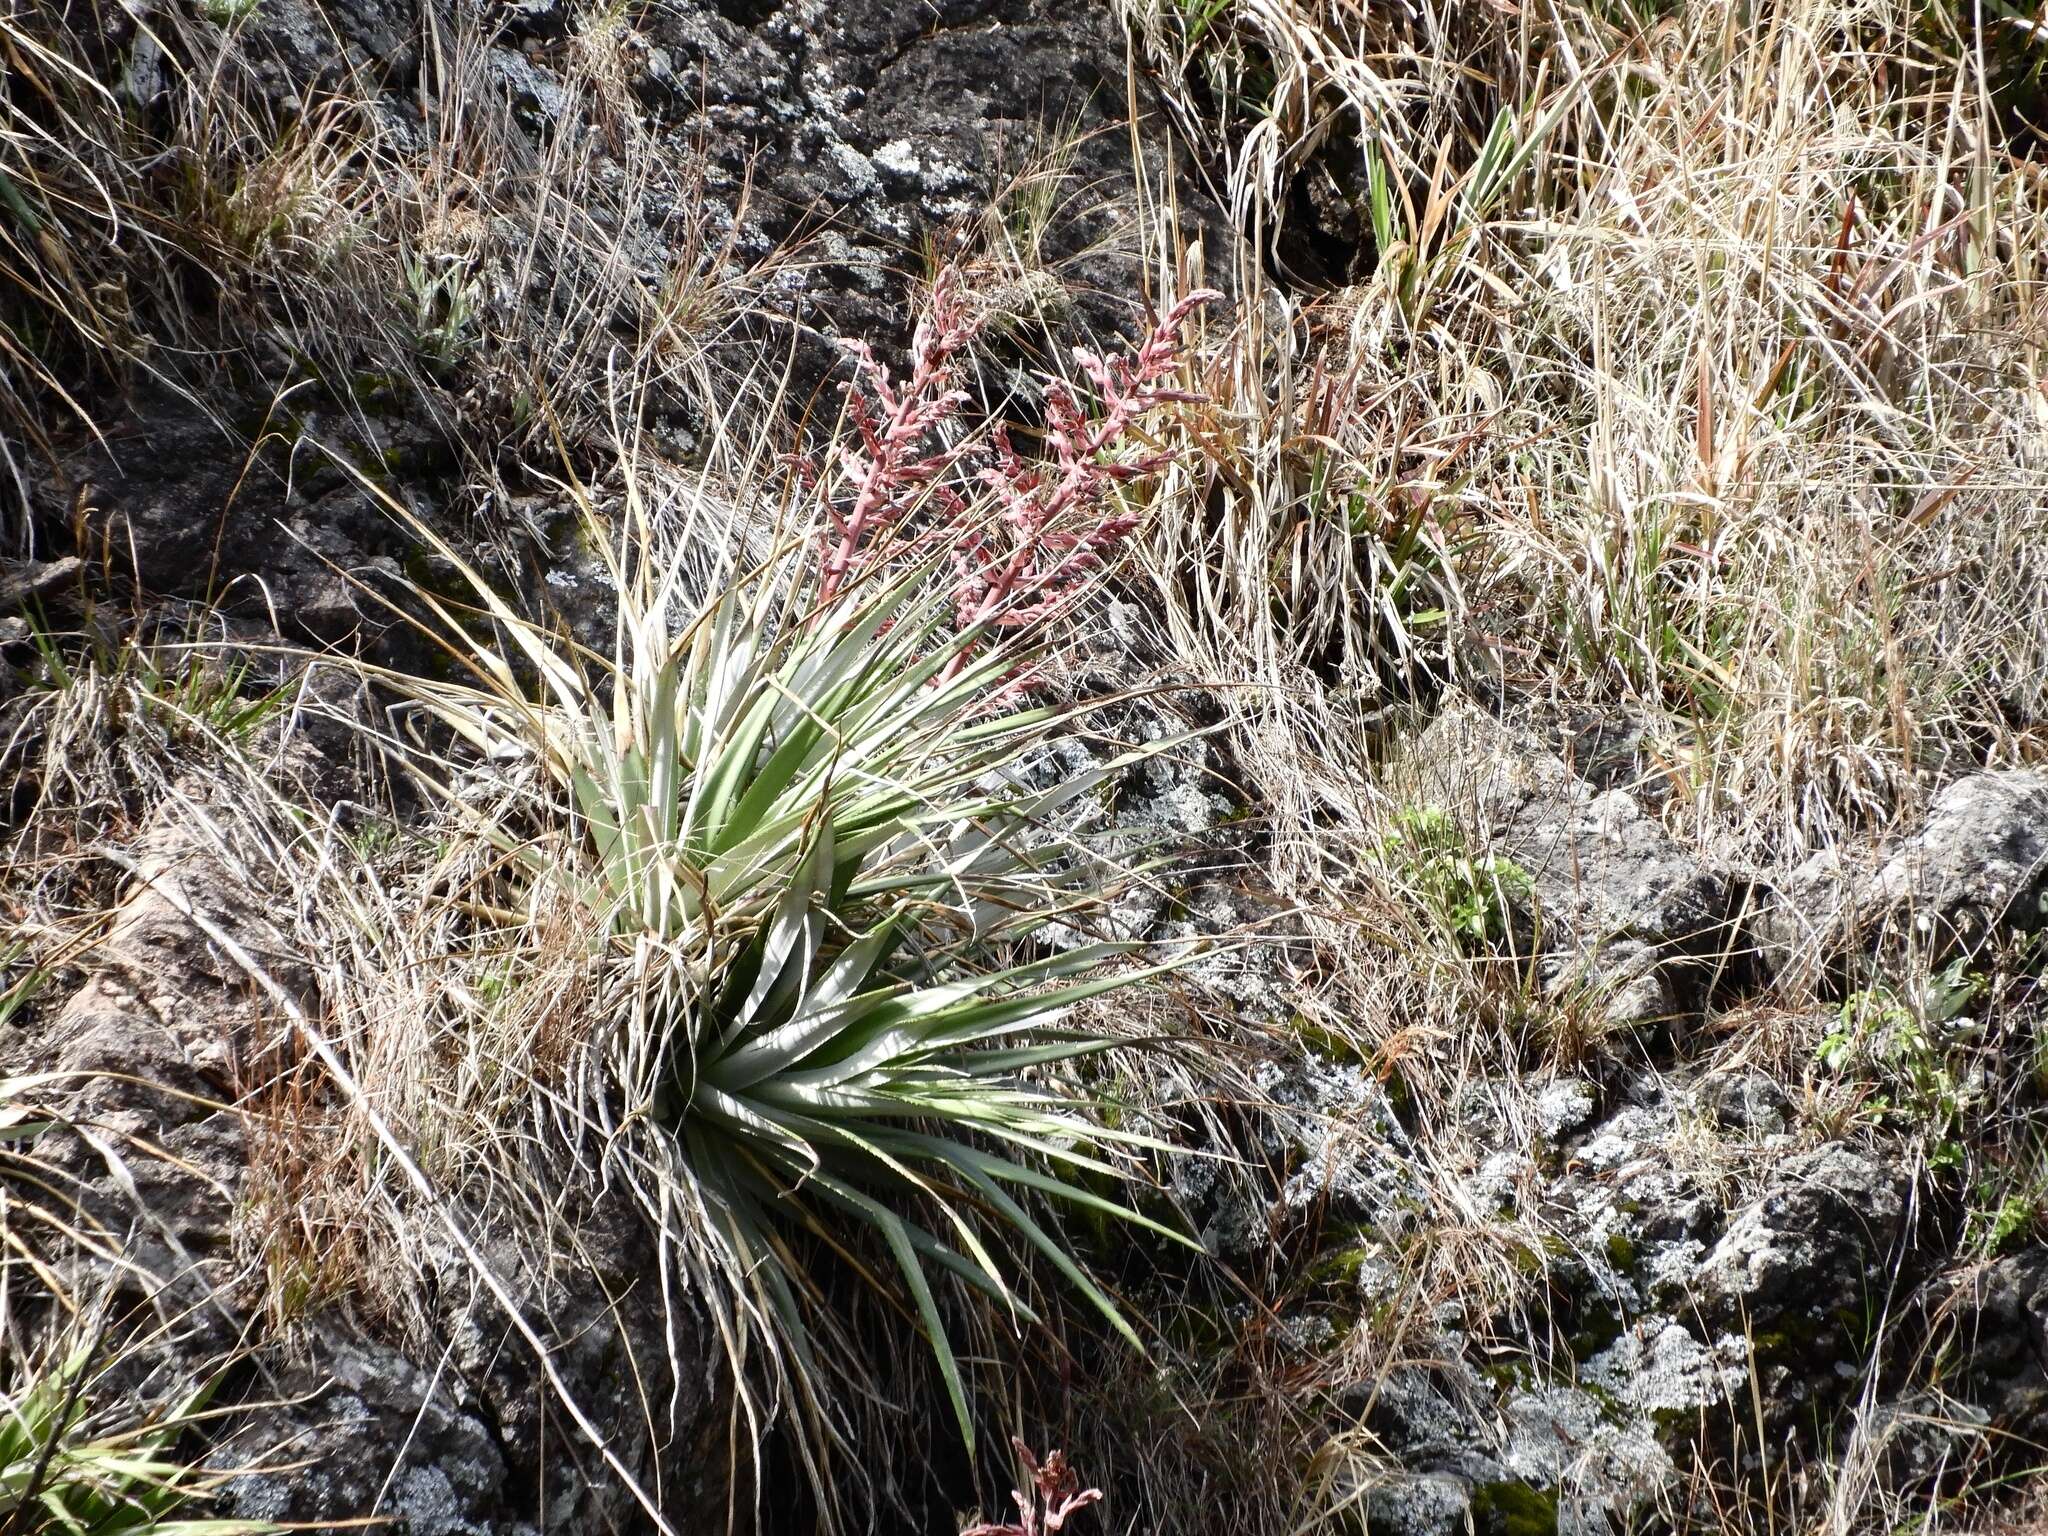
x=1054, y=1497
x=901, y=430
x=1028, y=535
x=1059, y=518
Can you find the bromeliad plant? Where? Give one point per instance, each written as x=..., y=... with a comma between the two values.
x=72, y=1462
x=798, y=849
x=808, y=872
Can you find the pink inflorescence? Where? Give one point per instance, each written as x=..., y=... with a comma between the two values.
x=896, y=460
x=1054, y=521
x=1054, y=1496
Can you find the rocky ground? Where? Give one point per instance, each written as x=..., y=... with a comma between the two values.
x=1642, y=1283
x=1736, y=1208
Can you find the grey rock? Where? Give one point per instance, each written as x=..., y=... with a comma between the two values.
x=1419, y=1504
x=1145, y=782
x=1628, y=916
x=354, y=1403
x=1979, y=865
x=866, y=129
x=1565, y=1106
x=885, y=125
x=1658, y=1366
x=1603, y=1467
x=37, y=580
x=177, y=505
x=1807, y=916
x=1923, y=1442
x=1622, y=982
x=1994, y=1332
x=1751, y=1104
x=294, y=51
x=1818, y=1241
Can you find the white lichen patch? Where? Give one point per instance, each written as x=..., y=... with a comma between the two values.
x=1659, y=1366
x=899, y=158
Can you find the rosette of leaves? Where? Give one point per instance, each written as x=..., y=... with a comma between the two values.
x=76, y=1459
x=810, y=872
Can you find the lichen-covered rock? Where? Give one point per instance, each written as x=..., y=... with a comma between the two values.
x=1602, y=1466
x=1751, y=1105
x=884, y=125
x=1979, y=865
x=1697, y=1269
x=1925, y=1443
x=1813, y=1245
x=1627, y=917
x=1442, y=1417
x=1330, y=1131
x=1589, y=1454
x=1418, y=1504
x=1565, y=1106
x=1659, y=1366
x=1993, y=1335
x=1976, y=868
x=1633, y=1223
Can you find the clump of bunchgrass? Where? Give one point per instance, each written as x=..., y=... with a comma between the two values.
x=1721, y=455
x=313, y=252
